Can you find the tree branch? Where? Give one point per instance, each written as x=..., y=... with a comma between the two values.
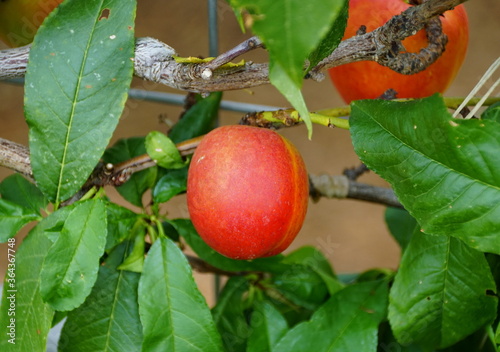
x=340, y=186
x=383, y=45
x=15, y=157
x=155, y=61
x=13, y=62
x=202, y=266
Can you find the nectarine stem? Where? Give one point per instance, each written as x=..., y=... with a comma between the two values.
x=330, y=121
x=290, y=117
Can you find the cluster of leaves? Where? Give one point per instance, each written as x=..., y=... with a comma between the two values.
x=87, y=263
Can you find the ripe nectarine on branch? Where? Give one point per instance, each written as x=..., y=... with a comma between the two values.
x=247, y=191
x=415, y=68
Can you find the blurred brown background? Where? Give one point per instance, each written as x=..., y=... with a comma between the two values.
x=351, y=233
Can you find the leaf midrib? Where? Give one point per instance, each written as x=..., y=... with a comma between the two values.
x=116, y=292
x=355, y=315
x=73, y=108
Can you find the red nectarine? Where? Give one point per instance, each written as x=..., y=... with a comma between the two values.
x=20, y=19
x=368, y=80
x=247, y=191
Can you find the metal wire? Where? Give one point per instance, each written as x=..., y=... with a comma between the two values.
x=213, y=29
x=178, y=99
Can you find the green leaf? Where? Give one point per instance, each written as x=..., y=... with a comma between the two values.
x=19, y=190
x=492, y=113
x=135, y=260
x=333, y=37
x=387, y=341
x=268, y=327
x=186, y=229
x=401, y=225
x=375, y=274
x=441, y=283
x=170, y=231
x=291, y=91
x=32, y=317
x=58, y=317
x=162, y=150
x=75, y=94
x=301, y=285
x=291, y=30
x=348, y=321
x=71, y=265
x=239, y=16
x=444, y=171
x=174, y=314
x=121, y=222
x=198, y=120
x=13, y=217
x=314, y=259
x=139, y=182
x=480, y=341
x=229, y=314
x=169, y=185
x=108, y=320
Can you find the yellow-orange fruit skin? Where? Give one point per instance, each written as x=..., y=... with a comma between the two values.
x=20, y=19
x=369, y=80
x=247, y=191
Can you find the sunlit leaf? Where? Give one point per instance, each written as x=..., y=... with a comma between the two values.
x=108, y=320
x=32, y=318
x=79, y=72
x=441, y=283
x=445, y=171
x=348, y=321
x=71, y=265
x=173, y=312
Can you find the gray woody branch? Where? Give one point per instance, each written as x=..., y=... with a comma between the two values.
x=341, y=186
x=154, y=60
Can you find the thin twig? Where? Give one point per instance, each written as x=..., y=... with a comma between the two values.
x=202, y=266
x=355, y=172
x=224, y=58
x=290, y=117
